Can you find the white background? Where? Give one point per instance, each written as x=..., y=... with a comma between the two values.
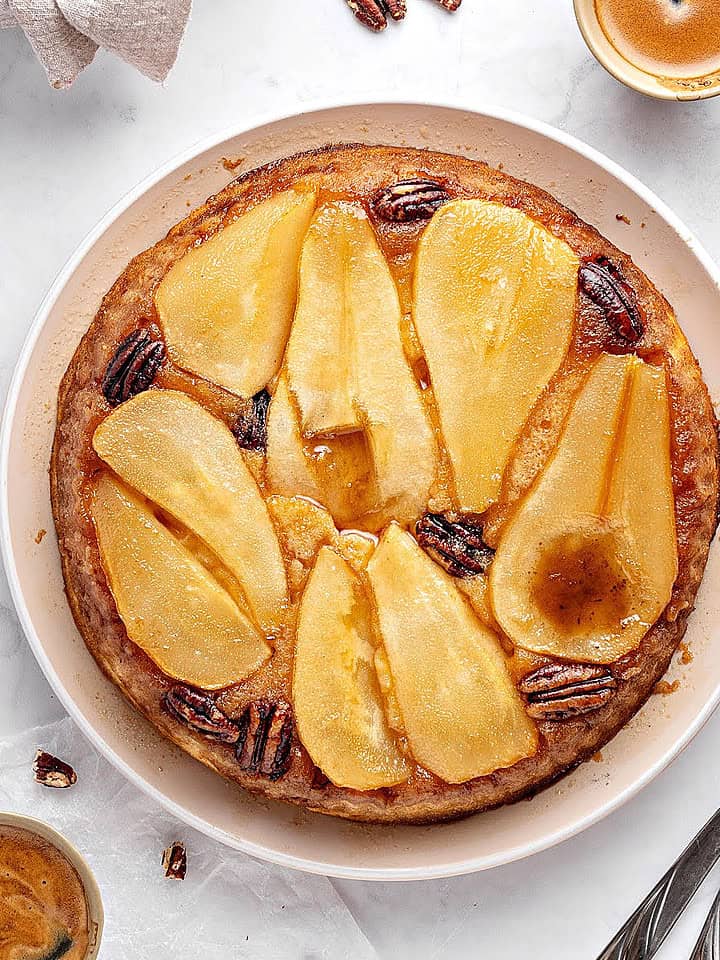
x=65, y=158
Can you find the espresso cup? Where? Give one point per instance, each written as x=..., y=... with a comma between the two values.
x=72, y=855
x=662, y=88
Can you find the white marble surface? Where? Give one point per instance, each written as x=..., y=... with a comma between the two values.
x=65, y=158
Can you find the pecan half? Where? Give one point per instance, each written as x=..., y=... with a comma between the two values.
x=266, y=733
x=559, y=691
x=409, y=200
x=174, y=861
x=456, y=545
x=200, y=712
x=50, y=771
x=133, y=366
x=251, y=427
x=603, y=283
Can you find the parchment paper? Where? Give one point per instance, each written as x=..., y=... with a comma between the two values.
x=229, y=905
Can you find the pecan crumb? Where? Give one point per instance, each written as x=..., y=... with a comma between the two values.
x=174, y=861
x=623, y=218
x=232, y=163
x=664, y=688
x=40, y=535
x=50, y=771
x=251, y=428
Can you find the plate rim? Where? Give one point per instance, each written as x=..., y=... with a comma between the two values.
x=260, y=851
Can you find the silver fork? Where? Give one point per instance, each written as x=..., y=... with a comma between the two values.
x=708, y=945
x=644, y=931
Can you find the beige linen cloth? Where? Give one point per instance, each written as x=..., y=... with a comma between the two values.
x=66, y=33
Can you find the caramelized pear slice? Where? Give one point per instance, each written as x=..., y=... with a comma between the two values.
x=346, y=364
x=227, y=305
x=171, y=607
x=587, y=563
x=180, y=457
x=320, y=348
x=289, y=472
x=641, y=489
x=337, y=698
x=462, y=715
x=494, y=304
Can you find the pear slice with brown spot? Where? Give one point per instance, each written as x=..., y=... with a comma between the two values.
x=587, y=562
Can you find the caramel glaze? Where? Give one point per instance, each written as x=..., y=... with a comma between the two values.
x=581, y=582
x=592, y=336
x=673, y=39
x=43, y=910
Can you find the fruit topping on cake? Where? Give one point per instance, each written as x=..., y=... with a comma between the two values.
x=337, y=697
x=348, y=374
x=172, y=607
x=462, y=715
x=226, y=306
x=587, y=562
x=494, y=307
x=171, y=450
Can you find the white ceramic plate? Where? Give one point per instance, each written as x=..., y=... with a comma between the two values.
x=597, y=190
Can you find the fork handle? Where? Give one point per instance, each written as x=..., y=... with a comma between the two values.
x=644, y=931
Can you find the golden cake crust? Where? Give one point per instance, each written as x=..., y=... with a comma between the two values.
x=358, y=172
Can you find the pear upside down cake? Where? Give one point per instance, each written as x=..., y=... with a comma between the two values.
x=384, y=485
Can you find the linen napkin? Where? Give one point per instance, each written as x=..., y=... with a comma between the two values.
x=229, y=906
x=65, y=34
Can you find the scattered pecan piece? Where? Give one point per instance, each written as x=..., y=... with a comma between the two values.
x=374, y=13
x=407, y=200
x=559, y=691
x=174, y=861
x=266, y=733
x=603, y=283
x=251, y=427
x=133, y=366
x=456, y=545
x=200, y=712
x=50, y=771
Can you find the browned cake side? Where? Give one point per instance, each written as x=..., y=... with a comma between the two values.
x=352, y=172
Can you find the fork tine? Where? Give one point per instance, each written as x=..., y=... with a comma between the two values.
x=708, y=945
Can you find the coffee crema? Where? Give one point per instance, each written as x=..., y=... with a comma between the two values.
x=43, y=908
x=673, y=39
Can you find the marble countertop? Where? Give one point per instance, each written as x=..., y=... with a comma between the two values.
x=67, y=157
